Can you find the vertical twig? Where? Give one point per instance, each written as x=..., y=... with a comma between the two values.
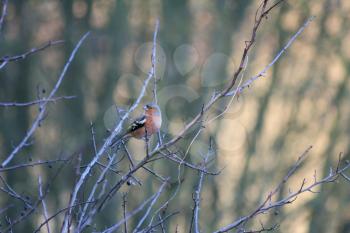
x=85, y=214
x=128, y=155
x=150, y=207
x=154, y=71
x=41, y=196
x=93, y=138
x=197, y=194
x=123, y=142
x=147, y=142
x=197, y=201
x=161, y=223
x=124, y=213
x=141, y=207
x=154, y=63
x=4, y=13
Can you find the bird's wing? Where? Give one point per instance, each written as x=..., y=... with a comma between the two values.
x=138, y=123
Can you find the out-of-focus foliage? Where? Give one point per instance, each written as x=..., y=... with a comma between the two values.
x=304, y=100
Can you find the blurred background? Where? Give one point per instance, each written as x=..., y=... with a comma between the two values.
x=302, y=101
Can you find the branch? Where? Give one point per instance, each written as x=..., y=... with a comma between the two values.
x=197, y=201
x=42, y=109
x=159, y=223
x=226, y=90
x=6, y=59
x=150, y=206
x=152, y=199
x=55, y=215
x=105, y=147
x=262, y=229
x=124, y=213
x=34, y=102
x=26, y=213
x=164, y=147
x=268, y=204
x=262, y=73
x=83, y=221
x=197, y=196
x=31, y=164
x=4, y=13
x=41, y=196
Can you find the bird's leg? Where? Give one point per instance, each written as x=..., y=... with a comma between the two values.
x=147, y=142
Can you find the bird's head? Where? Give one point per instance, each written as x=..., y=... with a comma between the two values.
x=152, y=108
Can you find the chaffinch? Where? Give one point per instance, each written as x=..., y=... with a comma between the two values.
x=144, y=126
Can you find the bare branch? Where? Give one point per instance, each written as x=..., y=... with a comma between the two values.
x=197, y=201
x=150, y=207
x=4, y=13
x=25, y=214
x=105, y=147
x=262, y=229
x=33, y=164
x=159, y=223
x=152, y=199
x=41, y=196
x=55, y=215
x=262, y=73
x=42, y=110
x=40, y=101
x=124, y=213
x=197, y=195
x=268, y=204
x=85, y=217
x=228, y=89
x=6, y=59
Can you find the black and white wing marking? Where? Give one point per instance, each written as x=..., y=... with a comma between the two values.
x=138, y=123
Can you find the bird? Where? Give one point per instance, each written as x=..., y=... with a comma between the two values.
x=144, y=126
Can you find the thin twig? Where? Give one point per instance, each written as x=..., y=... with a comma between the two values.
x=124, y=213
x=150, y=207
x=56, y=214
x=93, y=137
x=197, y=194
x=85, y=216
x=161, y=178
x=263, y=72
x=154, y=71
x=4, y=13
x=262, y=229
x=11, y=192
x=135, y=211
x=6, y=59
x=47, y=162
x=159, y=223
x=34, y=102
x=41, y=196
x=267, y=204
x=30, y=211
x=197, y=199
